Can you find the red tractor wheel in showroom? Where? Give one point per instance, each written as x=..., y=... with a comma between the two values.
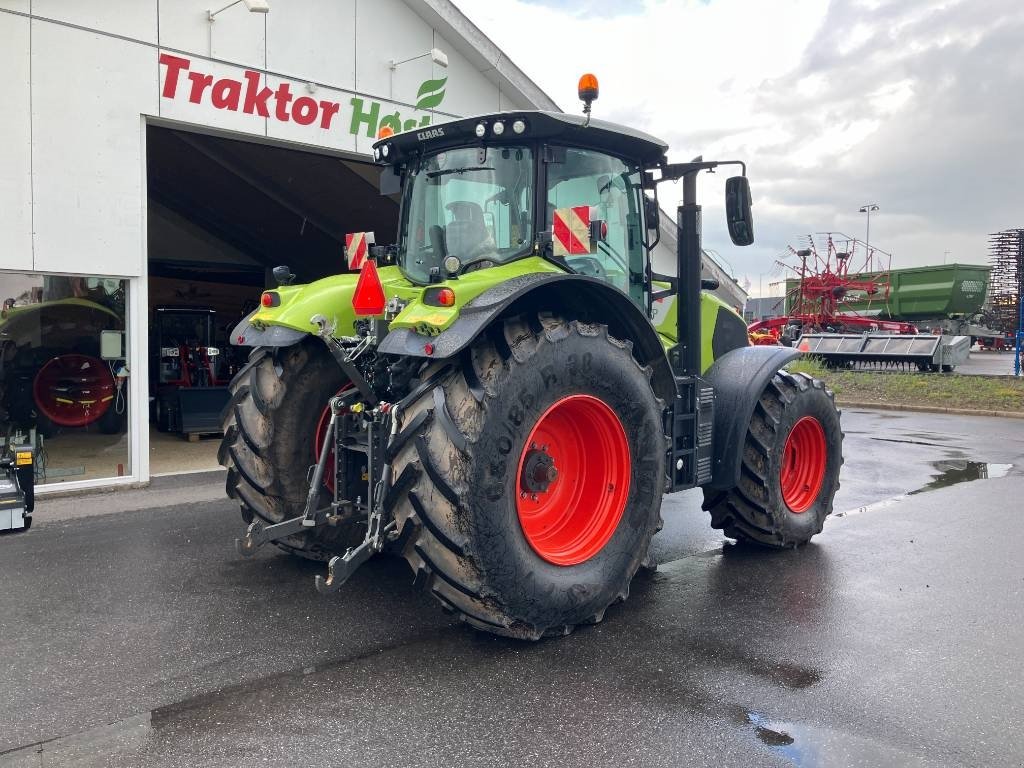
x=75, y=390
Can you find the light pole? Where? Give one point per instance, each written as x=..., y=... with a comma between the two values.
x=868, y=208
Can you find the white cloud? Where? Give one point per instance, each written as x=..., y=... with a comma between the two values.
x=913, y=103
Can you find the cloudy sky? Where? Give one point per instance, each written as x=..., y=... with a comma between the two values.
x=916, y=105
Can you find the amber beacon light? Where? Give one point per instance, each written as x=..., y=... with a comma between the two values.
x=587, y=90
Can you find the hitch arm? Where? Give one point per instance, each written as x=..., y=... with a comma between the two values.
x=326, y=334
x=341, y=568
x=259, y=534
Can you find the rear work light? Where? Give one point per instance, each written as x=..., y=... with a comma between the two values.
x=369, y=296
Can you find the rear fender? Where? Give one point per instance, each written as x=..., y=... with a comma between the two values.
x=245, y=334
x=739, y=377
x=577, y=295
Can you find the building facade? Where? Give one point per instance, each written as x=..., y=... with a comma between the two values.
x=88, y=85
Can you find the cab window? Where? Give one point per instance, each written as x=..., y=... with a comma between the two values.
x=613, y=187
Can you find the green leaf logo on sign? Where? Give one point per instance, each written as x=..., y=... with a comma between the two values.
x=431, y=94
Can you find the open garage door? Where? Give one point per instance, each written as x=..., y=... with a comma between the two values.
x=221, y=214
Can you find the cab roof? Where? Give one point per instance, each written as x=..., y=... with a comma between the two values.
x=556, y=127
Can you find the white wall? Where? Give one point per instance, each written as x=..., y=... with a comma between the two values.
x=78, y=75
x=87, y=150
x=15, y=138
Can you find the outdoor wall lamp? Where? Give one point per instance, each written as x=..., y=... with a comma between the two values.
x=436, y=55
x=254, y=6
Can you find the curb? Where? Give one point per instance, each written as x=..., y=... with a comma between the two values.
x=927, y=409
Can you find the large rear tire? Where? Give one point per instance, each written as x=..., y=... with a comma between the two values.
x=269, y=436
x=789, y=473
x=528, y=477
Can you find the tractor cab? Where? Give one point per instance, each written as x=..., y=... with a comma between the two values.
x=487, y=191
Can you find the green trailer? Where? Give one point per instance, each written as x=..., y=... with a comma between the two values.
x=916, y=294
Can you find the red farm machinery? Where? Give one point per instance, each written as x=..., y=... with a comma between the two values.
x=840, y=307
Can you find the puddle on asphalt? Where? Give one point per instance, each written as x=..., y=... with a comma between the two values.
x=807, y=745
x=774, y=737
x=948, y=472
x=953, y=471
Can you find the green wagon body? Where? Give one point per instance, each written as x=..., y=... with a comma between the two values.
x=919, y=293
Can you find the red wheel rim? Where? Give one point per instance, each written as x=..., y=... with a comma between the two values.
x=318, y=441
x=803, y=464
x=73, y=390
x=568, y=515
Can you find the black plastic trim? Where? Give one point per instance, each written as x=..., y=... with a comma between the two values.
x=245, y=334
x=730, y=333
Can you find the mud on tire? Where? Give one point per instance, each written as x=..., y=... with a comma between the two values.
x=456, y=473
x=269, y=426
x=755, y=510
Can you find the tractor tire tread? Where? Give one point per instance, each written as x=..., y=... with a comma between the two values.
x=433, y=516
x=743, y=512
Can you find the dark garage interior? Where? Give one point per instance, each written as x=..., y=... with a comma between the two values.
x=222, y=213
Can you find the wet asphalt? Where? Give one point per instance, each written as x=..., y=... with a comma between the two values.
x=895, y=638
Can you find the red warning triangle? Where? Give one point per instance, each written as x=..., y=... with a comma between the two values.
x=369, y=296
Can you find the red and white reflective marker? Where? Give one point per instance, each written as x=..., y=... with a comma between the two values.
x=356, y=245
x=570, y=230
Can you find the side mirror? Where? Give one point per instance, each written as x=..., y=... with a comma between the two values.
x=652, y=216
x=737, y=210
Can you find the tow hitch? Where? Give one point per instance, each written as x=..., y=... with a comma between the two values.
x=378, y=530
x=377, y=423
x=259, y=534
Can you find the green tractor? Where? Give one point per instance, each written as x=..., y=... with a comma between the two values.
x=503, y=397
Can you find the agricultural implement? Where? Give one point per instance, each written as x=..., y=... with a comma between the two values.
x=189, y=394
x=490, y=399
x=927, y=352
x=874, y=316
x=17, y=486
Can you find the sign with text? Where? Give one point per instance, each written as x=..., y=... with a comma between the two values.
x=327, y=119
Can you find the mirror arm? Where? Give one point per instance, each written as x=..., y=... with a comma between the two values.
x=676, y=171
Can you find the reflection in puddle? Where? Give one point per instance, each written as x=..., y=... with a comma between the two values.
x=953, y=471
x=950, y=472
x=772, y=735
x=804, y=744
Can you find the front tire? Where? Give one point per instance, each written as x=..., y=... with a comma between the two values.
x=528, y=479
x=789, y=470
